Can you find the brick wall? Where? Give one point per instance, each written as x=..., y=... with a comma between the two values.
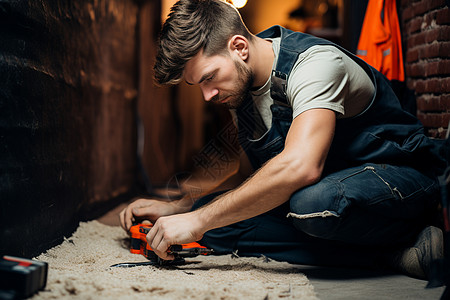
x=426, y=42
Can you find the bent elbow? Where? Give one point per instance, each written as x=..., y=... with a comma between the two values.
x=314, y=176
x=305, y=175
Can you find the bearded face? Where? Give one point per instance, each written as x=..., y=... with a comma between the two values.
x=223, y=79
x=242, y=85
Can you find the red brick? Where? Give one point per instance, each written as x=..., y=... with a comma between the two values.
x=434, y=119
x=429, y=51
x=437, y=34
x=420, y=8
x=413, y=25
x=445, y=119
x=420, y=86
x=415, y=70
x=411, y=41
x=441, y=85
x=444, y=33
x=433, y=85
x=423, y=6
x=408, y=13
x=428, y=102
x=433, y=50
x=416, y=39
x=443, y=16
x=441, y=33
x=405, y=3
x=444, y=67
x=437, y=67
x=444, y=50
x=412, y=55
x=431, y=68
x=426, y=34
x=435, y=3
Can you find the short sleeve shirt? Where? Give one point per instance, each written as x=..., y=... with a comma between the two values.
x=322, y=77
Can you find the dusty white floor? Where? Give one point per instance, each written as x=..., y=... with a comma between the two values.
x=338, y=283
x=80, y=268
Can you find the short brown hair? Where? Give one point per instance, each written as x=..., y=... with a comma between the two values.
x=193, y=25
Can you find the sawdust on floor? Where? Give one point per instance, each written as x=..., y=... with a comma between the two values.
x=79, y=268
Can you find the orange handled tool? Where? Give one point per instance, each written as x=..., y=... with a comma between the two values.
x=139, y=245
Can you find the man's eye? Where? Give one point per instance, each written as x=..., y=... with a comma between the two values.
x=210, y=78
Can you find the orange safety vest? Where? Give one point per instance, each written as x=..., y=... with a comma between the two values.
x=380, y=43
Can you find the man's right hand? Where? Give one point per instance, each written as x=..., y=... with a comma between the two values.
x=149, y=209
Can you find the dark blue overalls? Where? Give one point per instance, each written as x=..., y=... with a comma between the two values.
x=378, y=187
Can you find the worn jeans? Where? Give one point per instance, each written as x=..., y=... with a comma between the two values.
x=351, y=217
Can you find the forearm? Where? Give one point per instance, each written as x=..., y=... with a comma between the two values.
x=268, y=188
x=193, y=193
x=197, y=186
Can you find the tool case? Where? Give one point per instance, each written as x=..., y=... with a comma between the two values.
x=20, y=277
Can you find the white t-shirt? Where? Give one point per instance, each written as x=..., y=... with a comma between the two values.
x=322, y=77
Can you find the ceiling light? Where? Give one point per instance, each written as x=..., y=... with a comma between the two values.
x=239, y=3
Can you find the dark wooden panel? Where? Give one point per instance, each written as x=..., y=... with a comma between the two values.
x=67, y=101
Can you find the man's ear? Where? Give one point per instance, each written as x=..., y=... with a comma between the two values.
x=239, y=44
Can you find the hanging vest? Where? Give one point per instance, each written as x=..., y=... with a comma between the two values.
x=380, y=43
x=382, y=133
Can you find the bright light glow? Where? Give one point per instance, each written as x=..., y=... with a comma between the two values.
x=239, y=3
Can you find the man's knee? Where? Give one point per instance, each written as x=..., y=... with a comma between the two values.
x=322, y=199
x=317, y=209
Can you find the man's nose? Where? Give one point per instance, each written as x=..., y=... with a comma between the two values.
x=209, y=93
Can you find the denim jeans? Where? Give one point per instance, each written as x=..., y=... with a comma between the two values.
x=370, y=205
x=351, y=217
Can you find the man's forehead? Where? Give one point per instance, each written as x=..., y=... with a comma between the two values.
x=190, y=69
x=199, y=66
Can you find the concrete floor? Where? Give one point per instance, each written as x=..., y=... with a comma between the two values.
x=339, y=283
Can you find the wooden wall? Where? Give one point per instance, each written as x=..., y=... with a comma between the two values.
x=172, y=116
x=75, y=79
x=68, y=93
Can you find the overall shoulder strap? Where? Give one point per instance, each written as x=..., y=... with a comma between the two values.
x=292, y=44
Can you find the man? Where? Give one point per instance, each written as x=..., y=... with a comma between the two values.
x=327, y=141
